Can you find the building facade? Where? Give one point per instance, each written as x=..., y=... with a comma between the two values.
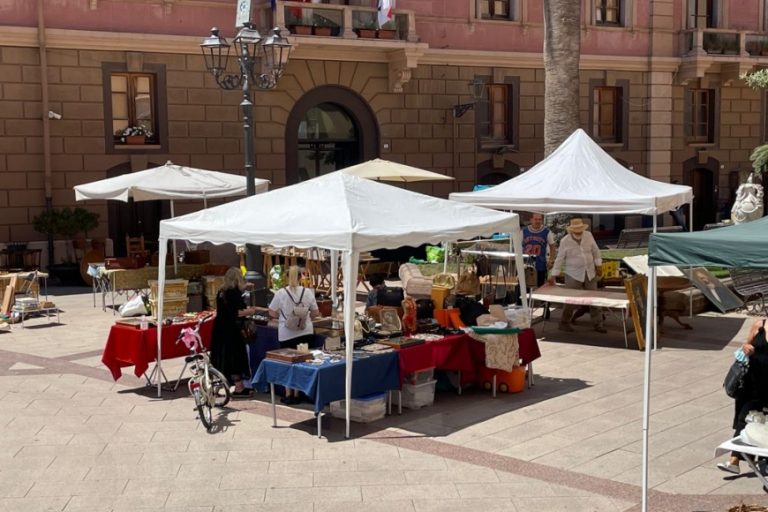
x=659, y=88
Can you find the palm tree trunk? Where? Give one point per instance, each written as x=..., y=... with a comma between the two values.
x=562, y=47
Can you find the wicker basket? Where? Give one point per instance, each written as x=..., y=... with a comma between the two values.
x=175, y=289
x=171, y=308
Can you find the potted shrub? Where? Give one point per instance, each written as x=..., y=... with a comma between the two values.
x=66, y=223
x=296, y=24
x=387, y=31
x=731, y=47
x=367, y=27
x=323, y=27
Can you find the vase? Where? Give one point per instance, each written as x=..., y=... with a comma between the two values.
x=135, y=139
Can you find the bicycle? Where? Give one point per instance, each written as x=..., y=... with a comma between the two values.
x=207, y=385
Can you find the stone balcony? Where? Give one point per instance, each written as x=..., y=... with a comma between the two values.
x=338, y=21
x=728, y=53
x=347, y=33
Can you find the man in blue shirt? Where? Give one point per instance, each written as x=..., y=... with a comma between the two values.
x=538, y=241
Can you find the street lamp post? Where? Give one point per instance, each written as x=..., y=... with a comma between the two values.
x=476, y=89
x=274, y=51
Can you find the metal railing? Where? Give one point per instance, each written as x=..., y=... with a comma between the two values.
x=716, y=41
x=340, y=21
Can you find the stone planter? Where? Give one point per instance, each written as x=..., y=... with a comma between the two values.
x=366, y=33
x=301, y=30
x=386, y=34
x=135, y=139
x=323, y=31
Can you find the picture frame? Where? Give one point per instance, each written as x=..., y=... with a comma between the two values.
x=390, y=320
x=637, y=293
x=713, y=289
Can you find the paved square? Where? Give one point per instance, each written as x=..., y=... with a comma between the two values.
x=72, y=439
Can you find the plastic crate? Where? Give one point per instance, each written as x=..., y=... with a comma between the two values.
x=416, y=396
x=175, y=289
x=171, y=308
x=419, y=376
x=364, y=409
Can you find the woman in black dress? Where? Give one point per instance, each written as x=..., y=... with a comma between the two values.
x=228, y=352
x=755, y=393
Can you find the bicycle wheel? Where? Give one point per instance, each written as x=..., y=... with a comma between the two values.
x=220, y=386
x=203, y=410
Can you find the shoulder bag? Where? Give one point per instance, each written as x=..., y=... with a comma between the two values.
x=734, y=382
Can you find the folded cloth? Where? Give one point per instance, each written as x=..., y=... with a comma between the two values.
x=502, y=351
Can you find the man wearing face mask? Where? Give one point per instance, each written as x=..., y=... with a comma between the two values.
x=580, y=259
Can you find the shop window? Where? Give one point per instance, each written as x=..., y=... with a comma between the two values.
x=496, y=9
x=700, y=115
x=497, y=114
x=608, y=12
x=607, y=114
x=134, y=107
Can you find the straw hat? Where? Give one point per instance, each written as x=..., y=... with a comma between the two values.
x=577, y=226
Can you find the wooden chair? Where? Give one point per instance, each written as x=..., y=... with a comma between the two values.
x=135, y=246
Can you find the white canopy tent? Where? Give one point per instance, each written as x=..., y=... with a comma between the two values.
x=169, y=181
x=580, y=177
x=355, y=215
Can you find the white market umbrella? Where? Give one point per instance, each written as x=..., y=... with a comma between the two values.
x=356, y=215
x=169, y=181
x=384, y=170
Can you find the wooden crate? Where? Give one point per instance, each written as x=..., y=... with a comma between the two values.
x=212, y=286
x=171, y=308
x=175, y=289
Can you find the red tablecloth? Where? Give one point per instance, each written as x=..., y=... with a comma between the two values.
x=462, y=353
x=129, y=346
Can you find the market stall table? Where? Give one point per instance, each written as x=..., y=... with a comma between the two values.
x=324, y=383
x=613, y=300
x=131, y=346
x=461, y=353
x=264, y=340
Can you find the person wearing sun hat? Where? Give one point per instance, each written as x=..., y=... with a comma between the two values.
x=579, y=258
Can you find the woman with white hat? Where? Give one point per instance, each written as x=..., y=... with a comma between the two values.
x=580, y=256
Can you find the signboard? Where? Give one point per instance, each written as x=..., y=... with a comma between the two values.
x=243, y=13
x=637, y=293
x=713, y=289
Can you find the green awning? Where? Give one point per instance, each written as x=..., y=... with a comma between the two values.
x=741, y=245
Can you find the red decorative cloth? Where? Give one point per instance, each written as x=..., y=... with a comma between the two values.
x=129, y=346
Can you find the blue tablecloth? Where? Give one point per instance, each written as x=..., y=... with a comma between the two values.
x=325, y=383
x=265, y=340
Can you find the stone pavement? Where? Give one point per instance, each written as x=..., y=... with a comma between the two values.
x=72, y=439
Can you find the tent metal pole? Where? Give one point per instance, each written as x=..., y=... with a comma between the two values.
x=690, y=268
x=163, y=242
x=655, y=295
x=350, y=262
x=650, y=326
x=335, y=278
x=517, y=241
x=447, y=249
x=161, y=262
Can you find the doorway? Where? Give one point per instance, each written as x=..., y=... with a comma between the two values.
x=330, y=128
x=702, y=181
x=134, y=218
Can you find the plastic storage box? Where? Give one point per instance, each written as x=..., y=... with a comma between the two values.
x=420, y=376
x=416, y=396
x=364, y=409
